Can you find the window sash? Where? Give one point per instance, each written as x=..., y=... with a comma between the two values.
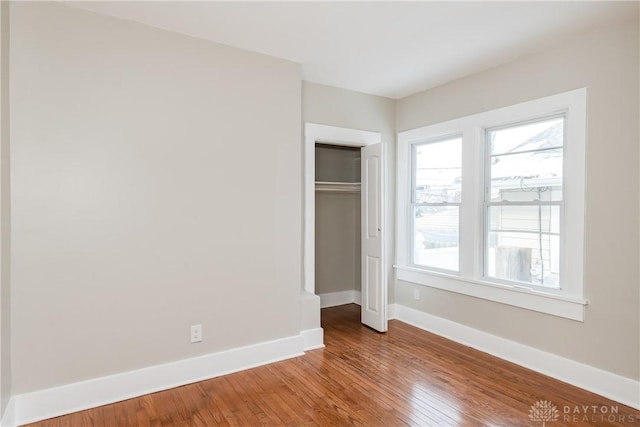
x=414, y=160
x=485, y=245
x=488, y=203
x=412, y=230
x=413, y=204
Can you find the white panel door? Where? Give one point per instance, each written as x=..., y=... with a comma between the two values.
x=374, y=283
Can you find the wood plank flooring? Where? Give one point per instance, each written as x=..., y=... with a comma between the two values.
x=404, y=377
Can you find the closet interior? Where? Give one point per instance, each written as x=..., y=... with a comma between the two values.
x=337, y=219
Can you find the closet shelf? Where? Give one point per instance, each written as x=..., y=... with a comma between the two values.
x=338, y=187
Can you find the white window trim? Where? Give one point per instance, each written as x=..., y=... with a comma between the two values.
x=568, y=302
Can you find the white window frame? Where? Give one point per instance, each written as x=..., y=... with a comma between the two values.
x=567, y=302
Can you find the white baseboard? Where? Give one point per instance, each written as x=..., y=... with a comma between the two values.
x=350, y=297
x=9, y=414
x=357, y=297
x=333, y=299
x=391, y=311
x=312, y=339
x=607, y=384
x=43, y=404
x=53, y=402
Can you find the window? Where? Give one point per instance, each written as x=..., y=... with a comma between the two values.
x=492, y=205
x=435, y=203
x=523, y=201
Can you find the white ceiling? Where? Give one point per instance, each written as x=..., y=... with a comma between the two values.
x=392, y=49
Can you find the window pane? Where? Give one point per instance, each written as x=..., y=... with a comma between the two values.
x=547, y=133
x=527, y=176
x=524, y=244
x=438, y=171
x=436, y=237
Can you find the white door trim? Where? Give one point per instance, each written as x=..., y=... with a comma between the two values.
x=316, y=133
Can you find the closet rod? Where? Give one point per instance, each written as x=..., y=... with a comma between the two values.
x=339, y=187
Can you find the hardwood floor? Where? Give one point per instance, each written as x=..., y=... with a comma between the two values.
x=404, y=377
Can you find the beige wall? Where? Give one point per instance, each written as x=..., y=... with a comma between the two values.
x=606, y=62
x=335, y=163
x=5, y=214
x=344, y=108
x=337, y=242
x=155, y=186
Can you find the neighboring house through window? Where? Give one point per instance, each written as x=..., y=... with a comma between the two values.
x=523, y=201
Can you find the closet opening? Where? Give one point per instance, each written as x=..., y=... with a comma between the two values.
x=342, y=150
x=337, y=224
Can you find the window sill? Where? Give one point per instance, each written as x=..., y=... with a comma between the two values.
x=557, y=305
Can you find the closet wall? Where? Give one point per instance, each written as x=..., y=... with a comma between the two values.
x=337, y=219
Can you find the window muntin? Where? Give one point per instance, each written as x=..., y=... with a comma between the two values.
x=523, y=202
x=435, y=203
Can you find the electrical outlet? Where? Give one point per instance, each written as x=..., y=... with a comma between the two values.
x=196, y=333
x=416, y=294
